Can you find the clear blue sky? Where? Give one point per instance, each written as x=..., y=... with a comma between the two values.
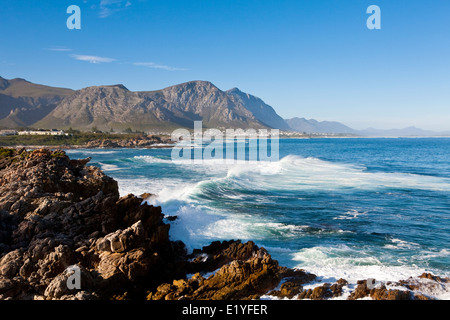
x=306, y=58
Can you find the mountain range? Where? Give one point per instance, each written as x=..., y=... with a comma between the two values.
x=114, y=107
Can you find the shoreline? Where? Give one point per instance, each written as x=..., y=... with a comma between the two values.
x=74, y=147
x=171, y=145
x=122, y=246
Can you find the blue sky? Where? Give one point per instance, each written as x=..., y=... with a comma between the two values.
x=306, y=58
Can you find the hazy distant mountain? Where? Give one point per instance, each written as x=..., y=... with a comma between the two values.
x=116, y=107
x=314, y=126
x=22, y=103
x=409, y=131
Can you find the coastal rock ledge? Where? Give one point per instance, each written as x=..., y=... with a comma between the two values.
x=57, y=214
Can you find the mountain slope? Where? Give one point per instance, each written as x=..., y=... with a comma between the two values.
x=203, y=100
x=22, y=103
x=262, y=111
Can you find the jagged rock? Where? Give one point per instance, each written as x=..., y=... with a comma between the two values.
x=119, y=240
x=336, y=288
x=379, y=293
x=58, y=288
x=57, y=212
x=434, y=278
x=254, y=274
x=318, y=293
x=10, y=264
x=289, y=289
x=145, y=195
x=295, y=278
x=361, y=291
x=390, y=294
x=217, y=254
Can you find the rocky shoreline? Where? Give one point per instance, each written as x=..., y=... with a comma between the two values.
x=143, y=141
x=56, y=212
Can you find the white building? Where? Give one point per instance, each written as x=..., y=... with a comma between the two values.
x=52, y=132
x=8, y=132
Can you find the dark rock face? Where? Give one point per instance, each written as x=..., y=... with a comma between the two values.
x=380, y=293
x=246, y=272
x=56, y=212
x=293, y=285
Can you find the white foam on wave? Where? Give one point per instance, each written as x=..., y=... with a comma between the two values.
x=165, y=188
x=344, y=262
x=152, y=159
x=191, y=225
x=90, y=151
x=433, y=254
x=199, y=225
x=313, y=173
x=350, y=215
x=109, y=167
x=333, y=263
x=298, y=173
x=401, y=244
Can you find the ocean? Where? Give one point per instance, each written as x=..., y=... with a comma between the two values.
x=353, y=208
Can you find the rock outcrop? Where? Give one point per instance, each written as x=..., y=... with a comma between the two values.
x=245, y=272
x=150, y=141
x=56, y=213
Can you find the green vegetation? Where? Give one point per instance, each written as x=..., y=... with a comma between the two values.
x=74, y=138
x=6, y=153
x=58, y=154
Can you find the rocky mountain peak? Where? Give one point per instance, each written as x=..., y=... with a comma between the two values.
x=193, y=85
x=234, y=90
x=119, y=86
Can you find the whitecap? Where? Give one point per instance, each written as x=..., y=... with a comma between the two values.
x=109, y=167
x=350, y=215
x=90, y=151
x=344, y=262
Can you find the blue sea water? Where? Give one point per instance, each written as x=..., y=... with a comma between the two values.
x=356, y=208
